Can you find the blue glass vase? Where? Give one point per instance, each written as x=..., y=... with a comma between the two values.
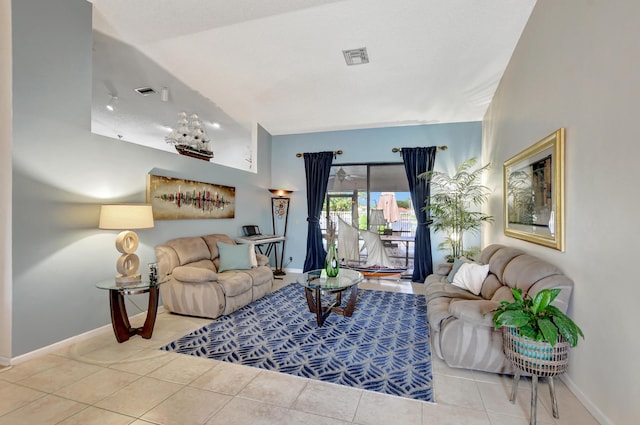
x=332, y=265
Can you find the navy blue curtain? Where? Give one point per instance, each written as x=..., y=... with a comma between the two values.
x=317, y=167
x=416, y=162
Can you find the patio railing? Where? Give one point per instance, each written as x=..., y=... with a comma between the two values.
x=407, y=223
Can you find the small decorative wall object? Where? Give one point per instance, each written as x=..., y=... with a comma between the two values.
x=534, y=193
x=180, y=199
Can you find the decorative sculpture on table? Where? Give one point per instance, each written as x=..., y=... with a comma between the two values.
x=332, y=263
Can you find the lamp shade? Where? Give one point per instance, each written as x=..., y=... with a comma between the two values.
x=280, y=192
x=126, y=216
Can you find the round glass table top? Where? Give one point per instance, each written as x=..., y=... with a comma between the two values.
x=142, y=285
x=317, y=279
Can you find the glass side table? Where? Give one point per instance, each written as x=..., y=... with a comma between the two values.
x=315, y=282
x=119, y=318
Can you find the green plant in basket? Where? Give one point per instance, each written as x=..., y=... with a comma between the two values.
x=536, y=318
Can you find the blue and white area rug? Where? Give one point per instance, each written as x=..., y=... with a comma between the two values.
x=383, y=347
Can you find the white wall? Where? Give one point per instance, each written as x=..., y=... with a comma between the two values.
x=365, y=146
x=62, y=173
x=5, y=181
x=577, y=66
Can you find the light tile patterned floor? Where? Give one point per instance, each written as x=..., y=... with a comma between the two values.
x=101, y=382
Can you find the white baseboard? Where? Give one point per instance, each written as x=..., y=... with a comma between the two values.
x=293, y=270
x=67, y=342
x=60, y=345
x=588, y=404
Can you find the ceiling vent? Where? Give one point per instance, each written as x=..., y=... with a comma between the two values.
x=356, y=56
x=145, y=91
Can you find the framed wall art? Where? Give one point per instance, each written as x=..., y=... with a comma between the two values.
x=180, y=199
x=534, y=193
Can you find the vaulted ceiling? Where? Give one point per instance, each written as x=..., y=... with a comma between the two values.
x=280, y=63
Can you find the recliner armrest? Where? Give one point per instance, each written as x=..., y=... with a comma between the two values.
x=476, y=312
x=194, y=274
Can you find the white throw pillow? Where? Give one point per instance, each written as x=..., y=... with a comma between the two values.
x=470, y=277
x=253, y=260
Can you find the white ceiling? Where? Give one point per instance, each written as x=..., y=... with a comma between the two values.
x=279, y=63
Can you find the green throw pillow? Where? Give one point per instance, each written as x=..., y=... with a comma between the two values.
x=233, y=257
x=456, y=265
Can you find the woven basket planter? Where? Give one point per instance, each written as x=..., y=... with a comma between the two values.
x=535, y=357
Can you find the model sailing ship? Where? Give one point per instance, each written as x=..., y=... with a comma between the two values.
x=190, y=138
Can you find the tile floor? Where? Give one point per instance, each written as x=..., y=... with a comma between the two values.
x=101, y=382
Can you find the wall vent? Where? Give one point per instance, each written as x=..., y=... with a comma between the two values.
x=145, y=91
x=356, y=56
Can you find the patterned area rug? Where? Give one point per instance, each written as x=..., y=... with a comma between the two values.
x=383, y=347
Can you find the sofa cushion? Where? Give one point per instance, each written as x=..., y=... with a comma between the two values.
x=499, y=260
x=488, y=252
x=477, y=312
x=212, y=242
x=194, y=274
x=503, y=294
x=490, y=286
x=443, y=269
x=470, y=276
x=434, y=278
x=437, y=312
x=234, y=257
x=524, y=271
x=190, y=249
x=446, y=290
x=203, y=264
x=235, y=283
x=457, y=263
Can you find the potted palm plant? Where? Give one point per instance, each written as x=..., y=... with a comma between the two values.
x=453, y=203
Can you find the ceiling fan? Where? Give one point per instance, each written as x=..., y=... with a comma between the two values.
x=342, y=175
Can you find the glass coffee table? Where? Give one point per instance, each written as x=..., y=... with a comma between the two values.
x=119, y=318
x=316, y=283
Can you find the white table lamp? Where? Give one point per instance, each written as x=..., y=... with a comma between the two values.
x=126, y=216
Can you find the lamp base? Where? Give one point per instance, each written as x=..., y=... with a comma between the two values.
x=120, y=279
x=279, y=272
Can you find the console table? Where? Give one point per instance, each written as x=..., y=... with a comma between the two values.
x=119, y=318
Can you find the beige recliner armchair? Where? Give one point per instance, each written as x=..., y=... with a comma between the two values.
x=197, y=286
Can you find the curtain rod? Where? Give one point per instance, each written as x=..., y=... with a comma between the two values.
x=335, y=153
x=440, y=148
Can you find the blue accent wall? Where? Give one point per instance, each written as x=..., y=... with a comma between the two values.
x=464, y=140
x=62, y=173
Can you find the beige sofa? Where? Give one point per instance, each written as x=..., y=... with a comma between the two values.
x=461, y=326
x=197, y=287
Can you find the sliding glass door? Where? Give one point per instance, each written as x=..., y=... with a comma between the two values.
x=374, y=197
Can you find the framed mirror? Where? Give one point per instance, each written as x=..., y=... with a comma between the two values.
x=534, y=193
